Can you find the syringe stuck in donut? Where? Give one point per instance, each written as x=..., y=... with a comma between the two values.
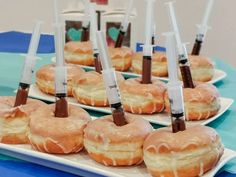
x=61, y=107
x=182, y=53
x=148, y=48
x=124, y=25
x=93, y=30
x=174, y=87
x=58, y=128
x=162, y=147
x=148, y=93
x=28, y=70
x=110, y=81
x=202, y=29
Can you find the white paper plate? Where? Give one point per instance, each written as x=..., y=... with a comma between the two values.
x=160, y=118
x=81, y=164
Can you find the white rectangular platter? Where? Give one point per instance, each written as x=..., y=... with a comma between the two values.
x=218, y=75
x=160, y=118
x=81, y=164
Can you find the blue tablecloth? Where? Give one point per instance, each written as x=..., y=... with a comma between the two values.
x=18, y=42
x=10, y=69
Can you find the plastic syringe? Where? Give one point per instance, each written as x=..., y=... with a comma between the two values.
x=93, y=30
x=85, y=23
x=154, y=37
x=124, y=25
x=61, y=109
x=28, y=70
x=182, y=52
x=110, y=82
x=148, y=47
x=174, y=86
x=202, y=29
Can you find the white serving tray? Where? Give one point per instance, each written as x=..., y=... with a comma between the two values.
x=218, y=75
x=160, y=118
x=81, y=164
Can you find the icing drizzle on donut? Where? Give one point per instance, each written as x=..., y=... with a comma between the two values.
x=201, y=171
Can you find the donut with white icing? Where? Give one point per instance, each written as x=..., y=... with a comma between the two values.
x=141, y=98
x=89, y=89
x=51, y=134
x=201, y=102
x=14, y=121
x=113, y=145
x=80, y=53
x=202, y=68
x=188, y=153
x=121, y=58
x=45, y=78
x=159, y=64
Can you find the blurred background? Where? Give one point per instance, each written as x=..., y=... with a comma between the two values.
x=220, y=40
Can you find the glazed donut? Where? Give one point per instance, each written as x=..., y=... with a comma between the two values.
x=188, y=153
x=14, y=121
x=121, y=58
x=114, y=145
x=45, y=78
x=51, y=134
x=89, y=89
x=159, y=64
x=80, y=53
x=142, y=98
x=201, y=102
x=202, y=68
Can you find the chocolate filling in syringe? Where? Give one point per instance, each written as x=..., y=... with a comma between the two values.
x=99, y=19
x=28, y=70
x=147, y=47
x=186, y=73
x=146, y=70
x=178, y=123
x=85, y=34
x=197, y=47
x=97, y=63
x=114, y=97
x=147, y=63
x=124, y=25
x=202, y=29
x=120, y=39
x=182, y=52
x=153, y=43
x=22, y=94
x=174, y=87
x=61, y=107
x=93, y=30
x=118, y=114
x=110, y=81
